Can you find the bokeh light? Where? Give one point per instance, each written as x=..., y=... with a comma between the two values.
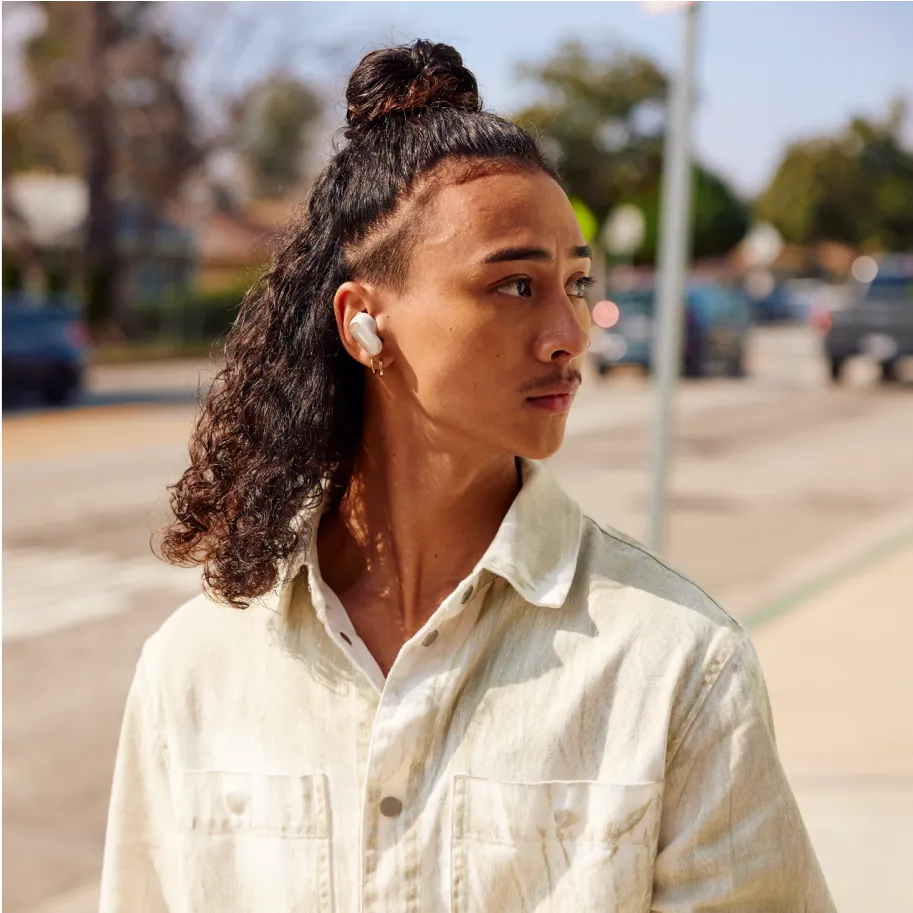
x=864, y=269
x=605, y=314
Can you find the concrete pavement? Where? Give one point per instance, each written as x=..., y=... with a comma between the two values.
x=840, y=677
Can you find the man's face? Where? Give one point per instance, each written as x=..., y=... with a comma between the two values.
x=492, y=318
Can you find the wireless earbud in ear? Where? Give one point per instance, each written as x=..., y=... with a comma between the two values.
x=364, y=328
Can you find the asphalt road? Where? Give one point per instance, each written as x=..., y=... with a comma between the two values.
x=772, y=477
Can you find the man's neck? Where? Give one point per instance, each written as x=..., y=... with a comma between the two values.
x=411, y=526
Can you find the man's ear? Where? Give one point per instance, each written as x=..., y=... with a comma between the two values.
x=358, y=298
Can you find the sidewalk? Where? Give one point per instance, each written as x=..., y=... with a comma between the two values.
x=840, y=674
x=36, y=436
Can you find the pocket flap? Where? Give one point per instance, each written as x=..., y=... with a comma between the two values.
x=604, y=813
x=214, y=801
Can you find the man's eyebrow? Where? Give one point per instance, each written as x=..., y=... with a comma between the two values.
x=512, y=254
x=509, y=254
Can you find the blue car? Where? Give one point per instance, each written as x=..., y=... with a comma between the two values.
x=717, y=320
x=44, y=350
x=774, y=308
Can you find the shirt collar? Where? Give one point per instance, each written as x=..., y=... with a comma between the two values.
x=535, y=548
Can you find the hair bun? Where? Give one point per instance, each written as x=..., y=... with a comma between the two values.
x=409, y=78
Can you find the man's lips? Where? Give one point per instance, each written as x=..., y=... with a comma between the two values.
x=564, y=388
x=555, y=398
x=559, y=403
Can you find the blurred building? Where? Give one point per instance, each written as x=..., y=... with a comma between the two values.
x=234, y=239
x=47, y=213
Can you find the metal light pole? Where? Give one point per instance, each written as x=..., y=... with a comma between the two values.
x=674, y=249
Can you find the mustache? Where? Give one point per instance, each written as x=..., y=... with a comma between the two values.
x=567, y=376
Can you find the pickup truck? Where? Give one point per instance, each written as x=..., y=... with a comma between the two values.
x=878, y=324
x=44, y=350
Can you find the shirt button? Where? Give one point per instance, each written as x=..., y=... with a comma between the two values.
x=235, y=803
x=390, y=807
x=430, y=639
x=466, y=596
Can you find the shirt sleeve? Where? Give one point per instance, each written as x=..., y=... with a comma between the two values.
x=135, y=863
x=731, y=836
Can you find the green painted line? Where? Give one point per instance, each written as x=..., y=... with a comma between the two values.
x=822, y=584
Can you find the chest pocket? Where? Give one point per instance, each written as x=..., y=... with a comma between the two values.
x=555, y=846
x=253, y=842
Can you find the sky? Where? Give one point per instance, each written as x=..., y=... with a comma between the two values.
x=768, y=73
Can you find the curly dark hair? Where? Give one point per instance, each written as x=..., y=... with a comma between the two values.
x=283, y=420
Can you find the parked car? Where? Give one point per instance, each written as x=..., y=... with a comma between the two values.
x=717, y=320
x=878, y=324
x=44, y=350
x=774, y=307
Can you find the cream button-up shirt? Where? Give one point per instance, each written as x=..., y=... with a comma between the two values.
x=578, y=727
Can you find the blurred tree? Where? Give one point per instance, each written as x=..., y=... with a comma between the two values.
x=721, y=219
x=50, y=143
x=601, y=121
x=156, y=133
x=855, y=188
x=16, y=236
x=136, y=95
x=94, y=32
x=276, y=118
x=42, y=131
x=602, y=118
x=105, y=100
x=156, y=140
x=256, y=117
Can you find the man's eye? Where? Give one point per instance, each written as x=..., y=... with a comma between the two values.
x=518, y=288
x=578, y=287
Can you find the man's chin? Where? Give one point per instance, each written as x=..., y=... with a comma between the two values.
x=543, y=447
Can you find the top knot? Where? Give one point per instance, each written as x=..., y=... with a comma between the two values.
x=409, y=78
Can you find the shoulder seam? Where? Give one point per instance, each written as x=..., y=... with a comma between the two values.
x=710, y=679
x=636, y=545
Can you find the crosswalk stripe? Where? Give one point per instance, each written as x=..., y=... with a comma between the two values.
x=50, y=589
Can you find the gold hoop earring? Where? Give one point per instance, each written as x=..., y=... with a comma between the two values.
x=377, y=366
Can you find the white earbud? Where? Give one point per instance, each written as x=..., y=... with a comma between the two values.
x=364, y=328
